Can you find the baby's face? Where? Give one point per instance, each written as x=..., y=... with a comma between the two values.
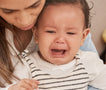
x=60, y=33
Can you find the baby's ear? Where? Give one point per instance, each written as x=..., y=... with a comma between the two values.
x=34, y=30
x=85, y=34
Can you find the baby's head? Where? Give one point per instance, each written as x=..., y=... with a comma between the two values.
x=80, y=3
x=61, y=29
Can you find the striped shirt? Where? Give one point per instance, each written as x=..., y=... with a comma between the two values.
x=77, y=79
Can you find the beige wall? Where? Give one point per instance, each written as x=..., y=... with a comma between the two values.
x=98, y=22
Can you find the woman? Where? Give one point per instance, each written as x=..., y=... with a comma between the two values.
x=17, y=18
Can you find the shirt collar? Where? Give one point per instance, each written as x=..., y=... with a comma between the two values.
x=48, y=66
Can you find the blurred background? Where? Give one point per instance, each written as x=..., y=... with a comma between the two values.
x=98, y=23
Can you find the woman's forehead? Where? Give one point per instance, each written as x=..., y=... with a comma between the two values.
x=16, y=4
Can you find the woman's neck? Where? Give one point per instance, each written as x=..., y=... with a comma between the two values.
x=25, y=38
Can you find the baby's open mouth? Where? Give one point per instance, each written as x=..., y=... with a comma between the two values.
x=59, y=52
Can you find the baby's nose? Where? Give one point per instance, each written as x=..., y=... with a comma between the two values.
x=60, y=40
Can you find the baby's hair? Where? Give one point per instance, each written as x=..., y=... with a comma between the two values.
x=82, y=3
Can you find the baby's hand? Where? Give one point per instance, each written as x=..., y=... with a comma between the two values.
x=25, y=84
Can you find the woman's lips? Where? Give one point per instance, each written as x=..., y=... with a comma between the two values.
x=27, y=27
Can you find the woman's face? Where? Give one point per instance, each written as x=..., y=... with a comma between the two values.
x=21, y=13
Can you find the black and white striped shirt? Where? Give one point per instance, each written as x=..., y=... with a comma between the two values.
x=72, y=80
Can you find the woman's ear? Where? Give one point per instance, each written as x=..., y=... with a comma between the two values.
x=84, y=35
x=34, y=30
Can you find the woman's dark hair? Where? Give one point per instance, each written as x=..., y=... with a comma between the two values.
x=83, y=4
x=6, y=67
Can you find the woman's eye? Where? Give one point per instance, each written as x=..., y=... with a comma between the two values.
x=70, y=33
x=8, y=11
x=50, y=31
x=35, y=6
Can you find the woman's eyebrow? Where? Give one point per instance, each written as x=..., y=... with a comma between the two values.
x=9, y=9
x=36, y=3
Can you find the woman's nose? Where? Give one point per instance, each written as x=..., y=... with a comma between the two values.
x=24, y=19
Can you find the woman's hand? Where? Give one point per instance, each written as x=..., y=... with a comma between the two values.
x=25, y=84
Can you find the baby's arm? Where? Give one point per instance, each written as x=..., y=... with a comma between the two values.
x=100, y=80
x=96, y=70
x=25, y=84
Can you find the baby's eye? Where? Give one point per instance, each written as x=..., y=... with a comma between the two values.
x=50, y=31
x=71, y=33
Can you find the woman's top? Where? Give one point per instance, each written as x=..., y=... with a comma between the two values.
x=18, y=66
